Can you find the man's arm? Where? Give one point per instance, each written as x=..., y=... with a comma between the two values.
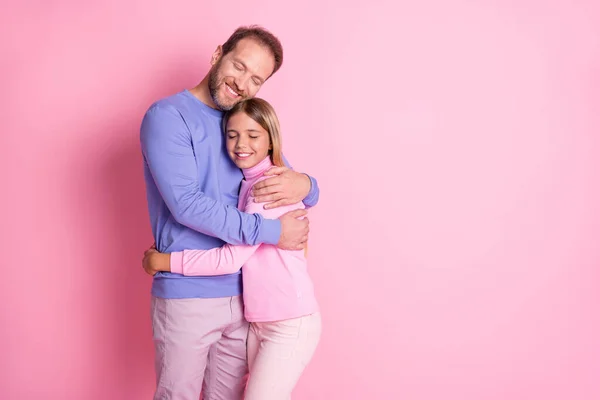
x=217, y=261
x=167, y=148
x=285, y=187
x=312, y=198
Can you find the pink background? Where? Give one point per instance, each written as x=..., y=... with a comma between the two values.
x=456, y=245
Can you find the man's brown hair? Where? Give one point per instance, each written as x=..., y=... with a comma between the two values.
x=260, y=34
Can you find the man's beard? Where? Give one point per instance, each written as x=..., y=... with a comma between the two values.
x=213, y=88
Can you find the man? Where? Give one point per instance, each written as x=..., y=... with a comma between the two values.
x=192, y=189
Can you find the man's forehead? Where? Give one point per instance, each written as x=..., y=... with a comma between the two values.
x=248, y=43
x=254, y=54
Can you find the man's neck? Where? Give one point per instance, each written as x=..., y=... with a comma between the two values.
x=202, y=93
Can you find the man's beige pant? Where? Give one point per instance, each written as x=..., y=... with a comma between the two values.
x=200, y=346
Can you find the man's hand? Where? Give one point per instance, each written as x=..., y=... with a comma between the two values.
x=154, y=261
x=285, y=187
x=294, y=231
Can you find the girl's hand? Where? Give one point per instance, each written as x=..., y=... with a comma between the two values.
x=154, y=261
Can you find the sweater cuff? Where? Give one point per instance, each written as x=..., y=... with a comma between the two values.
x=269, y=232
x=177, y=262
x=312, y=197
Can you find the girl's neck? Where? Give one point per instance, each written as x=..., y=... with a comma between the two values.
x=258, y=169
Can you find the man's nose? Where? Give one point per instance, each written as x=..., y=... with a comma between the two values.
x=241, y=83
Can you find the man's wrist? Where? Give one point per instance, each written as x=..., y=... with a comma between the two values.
x=309, y=183
x=312, y=196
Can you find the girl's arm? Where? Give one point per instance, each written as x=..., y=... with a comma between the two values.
x=223, y=260
x=218, y=261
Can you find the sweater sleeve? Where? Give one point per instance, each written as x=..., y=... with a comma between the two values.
x=228, y=258
x=312, y=198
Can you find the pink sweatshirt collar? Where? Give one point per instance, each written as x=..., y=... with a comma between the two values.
x=258, y=169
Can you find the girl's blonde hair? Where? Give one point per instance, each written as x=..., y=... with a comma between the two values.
x=263, y=113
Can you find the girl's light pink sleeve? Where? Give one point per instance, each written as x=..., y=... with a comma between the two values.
x=218, y=261
x=222, y=260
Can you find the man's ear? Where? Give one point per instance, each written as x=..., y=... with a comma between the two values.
x=216, y=55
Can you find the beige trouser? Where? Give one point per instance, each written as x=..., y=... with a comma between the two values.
x=200, y=346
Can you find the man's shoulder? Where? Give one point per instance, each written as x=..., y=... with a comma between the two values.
x=171, y=103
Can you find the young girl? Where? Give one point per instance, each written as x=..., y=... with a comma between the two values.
x=279, y=300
